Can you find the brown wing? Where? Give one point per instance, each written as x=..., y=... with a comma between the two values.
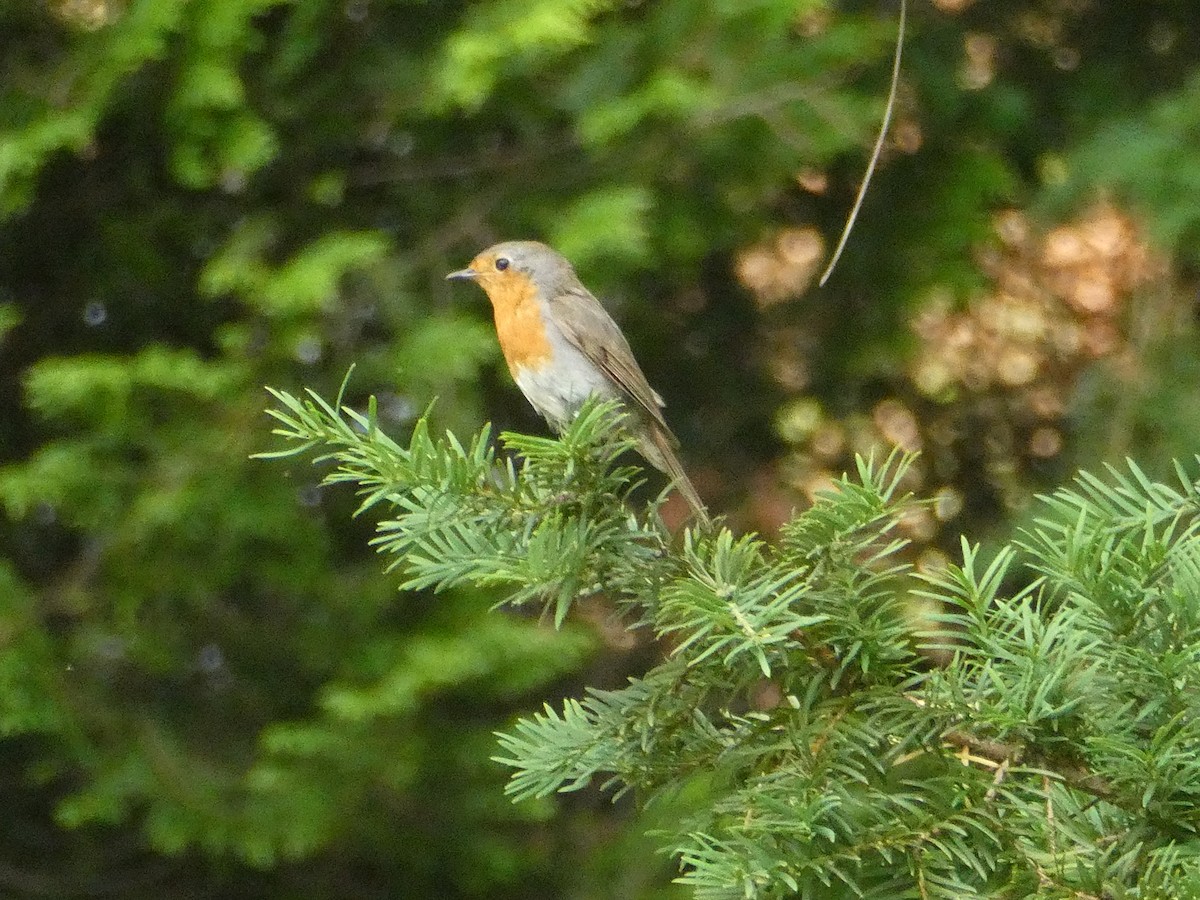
x=586, y=324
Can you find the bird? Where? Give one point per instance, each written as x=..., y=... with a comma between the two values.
x=563, y=347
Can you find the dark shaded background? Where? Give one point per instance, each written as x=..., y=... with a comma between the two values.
x=207, y=686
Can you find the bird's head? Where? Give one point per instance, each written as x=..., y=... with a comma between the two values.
x=513, y=268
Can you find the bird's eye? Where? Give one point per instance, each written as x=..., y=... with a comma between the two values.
x=502, y=263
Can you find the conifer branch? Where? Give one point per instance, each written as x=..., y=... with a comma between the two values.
x=1070, y=688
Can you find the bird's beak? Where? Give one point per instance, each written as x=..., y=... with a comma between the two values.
x=467, y=274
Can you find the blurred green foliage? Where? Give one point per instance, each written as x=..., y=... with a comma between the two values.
x=205, y=684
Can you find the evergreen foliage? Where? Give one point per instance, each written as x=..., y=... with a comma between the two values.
x=205, y=688
x=1056, y=751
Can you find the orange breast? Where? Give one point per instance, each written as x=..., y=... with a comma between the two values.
x=519, y=323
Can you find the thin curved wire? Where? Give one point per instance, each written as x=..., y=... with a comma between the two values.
x=883, y=130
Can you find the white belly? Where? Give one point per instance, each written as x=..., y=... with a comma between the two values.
x=557, y=391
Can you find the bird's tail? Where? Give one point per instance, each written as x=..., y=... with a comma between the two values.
x=658, y=446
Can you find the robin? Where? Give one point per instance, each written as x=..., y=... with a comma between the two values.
x=562, y=347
